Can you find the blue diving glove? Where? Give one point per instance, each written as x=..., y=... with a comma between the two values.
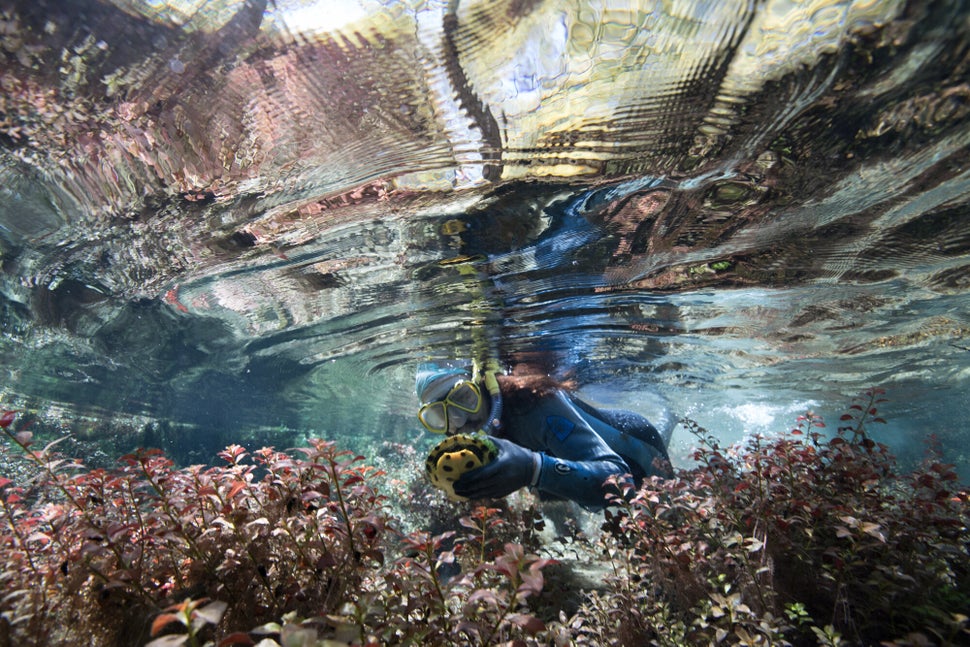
x=515, y=467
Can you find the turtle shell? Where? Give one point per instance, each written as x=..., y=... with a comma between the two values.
x=454, y=456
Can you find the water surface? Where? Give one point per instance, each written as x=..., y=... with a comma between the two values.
x=253, y=216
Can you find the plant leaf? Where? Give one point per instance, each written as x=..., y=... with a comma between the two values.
x=531, y=624
x=484, y=595
x=163, y=621
x=175, y=640
x=874, y=530
x=212, y=612
x=234, y=490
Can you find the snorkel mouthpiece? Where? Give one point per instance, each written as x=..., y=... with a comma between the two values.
x=495, y=412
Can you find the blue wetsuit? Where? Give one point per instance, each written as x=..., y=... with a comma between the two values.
x=581, y=446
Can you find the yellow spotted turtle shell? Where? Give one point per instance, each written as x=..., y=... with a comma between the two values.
x=454, y=456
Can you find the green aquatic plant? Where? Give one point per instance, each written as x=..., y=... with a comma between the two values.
x=803, y=538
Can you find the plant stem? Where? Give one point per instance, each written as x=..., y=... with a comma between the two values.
x=8, y=513
x=343, y=510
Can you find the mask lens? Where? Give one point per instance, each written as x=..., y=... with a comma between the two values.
x=456, y=417
x=465, y=396
x=434, y=416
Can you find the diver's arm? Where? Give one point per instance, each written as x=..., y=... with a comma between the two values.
x=517, y=467
x=576, y=461
x=553, y=449
x=581, y=481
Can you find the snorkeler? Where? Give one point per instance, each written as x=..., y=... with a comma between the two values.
x=539, y=433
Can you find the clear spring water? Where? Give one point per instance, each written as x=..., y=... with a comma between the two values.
x=240, y=215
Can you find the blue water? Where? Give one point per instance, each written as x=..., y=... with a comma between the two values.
x=254, y=220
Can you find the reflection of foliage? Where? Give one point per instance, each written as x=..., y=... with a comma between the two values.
x=797, y=539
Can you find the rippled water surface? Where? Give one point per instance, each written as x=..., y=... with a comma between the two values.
x=256, y=215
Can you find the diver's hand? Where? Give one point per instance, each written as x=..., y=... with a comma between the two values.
x=514, y=468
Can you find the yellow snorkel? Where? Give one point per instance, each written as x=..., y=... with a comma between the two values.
x=487, y=377
x=462, y=453
x=484, y=365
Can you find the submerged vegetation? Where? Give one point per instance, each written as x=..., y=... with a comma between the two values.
x=804, y=538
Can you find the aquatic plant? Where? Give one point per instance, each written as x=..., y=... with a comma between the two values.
x=794, y=539
x=213, y=552
x=801, y=538
x=115, y=547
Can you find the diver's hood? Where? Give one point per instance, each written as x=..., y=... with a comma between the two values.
x=431, y=383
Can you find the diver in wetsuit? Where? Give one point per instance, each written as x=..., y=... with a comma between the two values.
x=547, y=438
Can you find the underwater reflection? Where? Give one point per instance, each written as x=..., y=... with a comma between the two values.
x=254, y=215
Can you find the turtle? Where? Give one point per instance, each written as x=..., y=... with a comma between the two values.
x=456, y=455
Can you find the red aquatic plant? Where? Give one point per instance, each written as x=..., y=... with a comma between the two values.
x=264, y=536
x=7, y=417
x=802, y=538
x=799, y=538
x=130, y=541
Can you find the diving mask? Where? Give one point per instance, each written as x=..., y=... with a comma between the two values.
x=464, y=399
